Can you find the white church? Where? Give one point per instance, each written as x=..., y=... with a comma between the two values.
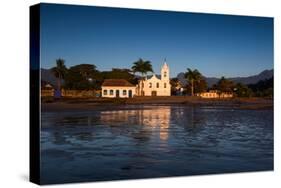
x=154, y=85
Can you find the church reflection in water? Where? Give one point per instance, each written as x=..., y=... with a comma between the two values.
x=152, y=120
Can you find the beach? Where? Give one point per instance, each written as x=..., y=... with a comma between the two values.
x=112, y=103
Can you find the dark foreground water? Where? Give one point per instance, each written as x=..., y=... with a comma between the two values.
x=154, y=141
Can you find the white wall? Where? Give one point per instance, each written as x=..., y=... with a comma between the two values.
x=121, y=94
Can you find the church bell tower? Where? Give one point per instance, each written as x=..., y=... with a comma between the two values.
x=165, y=72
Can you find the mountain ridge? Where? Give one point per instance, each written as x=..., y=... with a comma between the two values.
x=253, y=79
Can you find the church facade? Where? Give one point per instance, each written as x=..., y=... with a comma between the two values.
x=155, y=85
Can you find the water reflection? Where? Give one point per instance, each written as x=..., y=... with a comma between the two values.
x=154, y=141
x=157, y=119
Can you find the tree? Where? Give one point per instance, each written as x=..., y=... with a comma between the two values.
x=193, y=76
x=86, y=70
x=263, y=88
x=242, y=90
x=175, y=85
x=225, y=85
x=200, y=85
x=59, y=71
x=142, y=67
x=120, y=74
x=82, y=76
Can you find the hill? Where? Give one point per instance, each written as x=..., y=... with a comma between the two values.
x=266, y=74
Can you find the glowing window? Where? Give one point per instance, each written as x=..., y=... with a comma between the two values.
x=111, y=92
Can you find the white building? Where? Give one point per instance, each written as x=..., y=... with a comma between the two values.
x=215, y=94
x=118, y=88
x=155, y=85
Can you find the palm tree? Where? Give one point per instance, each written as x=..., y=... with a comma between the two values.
x=59, y=71
x=142, y=67
x=192, y=76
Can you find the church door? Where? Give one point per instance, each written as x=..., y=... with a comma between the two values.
x=130, y=93
x=153, y=93
x=117, y=93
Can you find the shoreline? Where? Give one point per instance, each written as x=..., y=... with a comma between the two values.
x=75, y=104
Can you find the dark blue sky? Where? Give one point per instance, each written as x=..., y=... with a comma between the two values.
x=217, y=45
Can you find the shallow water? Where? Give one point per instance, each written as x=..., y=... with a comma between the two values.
x=154, y=141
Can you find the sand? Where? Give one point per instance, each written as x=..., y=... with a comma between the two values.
x=105, y=103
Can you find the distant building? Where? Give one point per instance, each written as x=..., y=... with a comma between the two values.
x=209, y=94
x=179, y=88
x=155, y=85
x=215, y=94
x=118, y=88
x=47, y=89
x=226, y=95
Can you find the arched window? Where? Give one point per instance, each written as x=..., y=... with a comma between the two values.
x=165, y=74
x=165, y=85
x=150, y=85
x=157, y=85
x=124, y=92
x=111, y=92
x=105, y=92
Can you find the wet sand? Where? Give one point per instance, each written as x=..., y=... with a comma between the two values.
x=107, y=103
x=136, y=141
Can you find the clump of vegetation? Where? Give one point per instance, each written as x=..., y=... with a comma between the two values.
x=242, y=90
x=87, y=76
x=263, y=88
x=82, y=77
x=225, y=85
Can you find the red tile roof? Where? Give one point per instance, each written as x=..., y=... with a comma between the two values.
x=117, y=82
